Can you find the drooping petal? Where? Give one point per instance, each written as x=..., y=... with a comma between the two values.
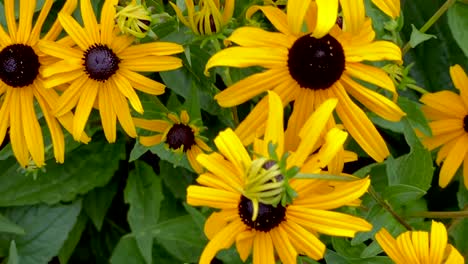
x=123, y=112
x=304, y=241
x=143, y=83
x=218, y=220
x=17, y=139
x=127, y=90
x=274, y=132
x=223, y=169
x=83, y=108
x=244, y=243
x=34, y=36
x=359, y=125
x=152, y=125
x=107, y=21
x=31, y=128
x=370, y=74
x=374, y=51
x=70, y=97
x=303, y=108
x=205, y=196
x=283, y=246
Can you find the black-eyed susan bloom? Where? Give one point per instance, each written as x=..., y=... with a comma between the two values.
x=247, y=189
x=102, y=69
x=390, y=7
x=179, y=133
x=448, y=115
x=22, y=85
x=420, y=246
x=209, y=18
x=309, y=69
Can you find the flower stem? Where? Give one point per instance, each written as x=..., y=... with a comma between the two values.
x=453, y=214
x=387, y=207
x=431, y=21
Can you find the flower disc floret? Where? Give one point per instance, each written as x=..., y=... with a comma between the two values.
x=268, y=216
x=316, y=63
x=180, y=135
x=100, y=62
x=465, y=123
x=19, y=65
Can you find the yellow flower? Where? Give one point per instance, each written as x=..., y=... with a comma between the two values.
x=245, y=187
x=308, y=70
x=179, y=133
x=134, y=19
x=101, y=70
x=208, y=19
x=22, y=85
x=389, y=7
x=420, y=246
x=448, y=113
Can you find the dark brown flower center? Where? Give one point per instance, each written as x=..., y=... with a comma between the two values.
x=465, y=123
x=100, y=62
x=268, y=216
x=316, y=63
x=180, y=135
x=19, y=65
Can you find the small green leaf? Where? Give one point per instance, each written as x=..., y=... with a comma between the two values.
x=6, y=226
x=47, y=228
x=144, y=194
x=97, y=202
x=458, y=23
x=13, y=257
x=73, y=238
x=127, y=252
x=178, y=159
x=417, y=37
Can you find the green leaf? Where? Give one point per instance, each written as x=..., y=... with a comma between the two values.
x=97, y=202
x=144, y=194
x=6, y=226
x=85, y=168
x=13, y=257
x=433, y=58
x=417, y=37
x=47, y=228
x=459, y=233
x=127, y=252
x=181, y=237
x=176, y=179
x=458, y=23
x=414, y=115
x=413, y=169
x=400, y=194
x=73, y=238
x=343, y=247
x=178, y=159
x=334, y=258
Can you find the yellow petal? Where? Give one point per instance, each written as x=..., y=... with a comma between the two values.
x=89, y=21
x=251, y=86
x=70, y=97
x=60, y=51
x=152, y=63
x=153, y=48
x=150, y=140
x=231, y=147
x=375, y=102
x=34, y=36
x=32, y=129
x=446, y=102
x=83, y=108
x=122, y=110
x=56, y=27
x=127, y=90
x=221, y=168
x=75, y=31
x=453, y=161
x=10, y=18
x=26, y=11
x=370, y=74
x=274, y=132
x=388, y=244
x=204, y=196
x=218, y=220
x=17, y=138
x=152, y=125
x=359, y=125
x=263, y=249
x=244, y=243
x=374, y=51
x=438, y=242
x=284, y=248
x=460, y=80
x=143, y=83
x=327, y=12
x=390, y=7
x=304, y=241
x=108, y=116
x=257, y=37
x=303, y=108
x=296, y=10
x=267, y=57
x=354, y=14
x=277, y=17
x=107, y=21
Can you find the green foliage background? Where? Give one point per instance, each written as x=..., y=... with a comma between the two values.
x=125, y=203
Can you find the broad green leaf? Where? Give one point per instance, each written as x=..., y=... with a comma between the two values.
x=47, y=228
x=332, y=257
x=400, y=194
x=459, y=233
x=143, y=193
x=181, y=237
x=13, y=257
x=73, y=238
x=178, y=159
x=432, y=58
x=7, y=226
x=85, y=168
x=343, y=247
x=97, y=202
x=462, y=194
x=414, y=115
x=176, y=179
x=458, y=23
x=197, y=217
x=417, y=37
x=127, y=252
x=413, y=169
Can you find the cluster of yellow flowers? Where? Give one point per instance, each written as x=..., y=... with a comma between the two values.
x=278, y=197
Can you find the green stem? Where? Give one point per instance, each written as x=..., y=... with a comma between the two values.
x=440, y=215
x=387, y=207
x=431, y=21
x=417, y=88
